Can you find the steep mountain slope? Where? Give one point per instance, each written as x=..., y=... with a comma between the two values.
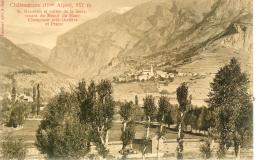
x=158, y=32
x=37, y=51
x=27, y=70
x=86, y=48
x=227, y=24
x=14, y=58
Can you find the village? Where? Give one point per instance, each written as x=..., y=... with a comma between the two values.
x=152, y=74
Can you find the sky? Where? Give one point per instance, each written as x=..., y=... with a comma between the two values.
x=19, y=31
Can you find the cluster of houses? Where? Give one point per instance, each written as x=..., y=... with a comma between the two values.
x=19, y=97
x=24, y=97
x=144, y=75
x=147, y=74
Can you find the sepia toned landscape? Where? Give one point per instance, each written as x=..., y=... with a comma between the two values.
x=151, y=79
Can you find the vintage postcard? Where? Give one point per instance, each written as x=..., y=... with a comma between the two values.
x=126, y=79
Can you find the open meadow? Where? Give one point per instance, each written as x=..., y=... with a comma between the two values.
x=192, y=142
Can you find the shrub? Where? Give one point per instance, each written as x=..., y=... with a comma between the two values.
x=5, y=111
x=19, y=112
x=13, y=114
x=13, y=148
x=221, y=152
x=164, y=92
x=205, y=150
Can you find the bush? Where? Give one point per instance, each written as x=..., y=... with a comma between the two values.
x=19, y=112
x=5, y=111
x=165, y=92
x=65, y=141
x=13, y=148
x=205, y=149
x=221, y=152
x=60, y=133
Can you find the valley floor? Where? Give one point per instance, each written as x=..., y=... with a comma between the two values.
x=191, y=151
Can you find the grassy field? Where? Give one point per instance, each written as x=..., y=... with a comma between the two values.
x=27, y=132
x=198, y=88
x=140, y=132
x=29, y=129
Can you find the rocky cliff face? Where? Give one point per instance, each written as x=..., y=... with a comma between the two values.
x=241, y=39
x=154, y=32
x=241, y=42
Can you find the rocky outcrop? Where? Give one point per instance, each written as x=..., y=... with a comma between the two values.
x=241, y=38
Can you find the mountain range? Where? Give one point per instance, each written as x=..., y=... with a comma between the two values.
x=27, y=70
x=163, y=33
x=37, y=51
x=13, y=58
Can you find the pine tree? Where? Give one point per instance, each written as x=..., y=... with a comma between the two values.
x=232, y=107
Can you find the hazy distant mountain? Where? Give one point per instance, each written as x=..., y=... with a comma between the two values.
x=164, y=33
x=35, y=50
x=14, y=58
